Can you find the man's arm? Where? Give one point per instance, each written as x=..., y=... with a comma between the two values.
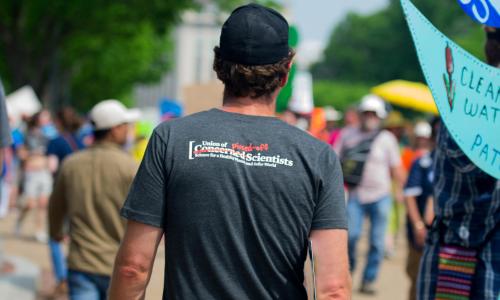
x=429, y=211
x=333, y=280
x=134, y=261
x=413, y=213
x=398, y=174
x=416, y=220
x=57, y=208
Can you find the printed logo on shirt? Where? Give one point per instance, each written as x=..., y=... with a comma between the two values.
x=250, y=155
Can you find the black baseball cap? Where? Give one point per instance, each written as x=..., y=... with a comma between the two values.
x=254, y=35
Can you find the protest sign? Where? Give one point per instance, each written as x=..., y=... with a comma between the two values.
x=466, y=91
x=486, y=12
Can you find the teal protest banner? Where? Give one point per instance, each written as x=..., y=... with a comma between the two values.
x=466, y=91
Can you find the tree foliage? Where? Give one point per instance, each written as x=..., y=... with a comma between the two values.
x=340, y=95
x=83, y=51
x=378, y=47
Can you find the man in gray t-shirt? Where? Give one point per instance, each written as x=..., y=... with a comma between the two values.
x=237, y=192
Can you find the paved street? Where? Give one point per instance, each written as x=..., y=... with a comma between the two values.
x=33, y=279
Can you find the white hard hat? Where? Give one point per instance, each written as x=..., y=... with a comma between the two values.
x=373, y=103
x=110, y=113
x=331, y=114
x=423, y=130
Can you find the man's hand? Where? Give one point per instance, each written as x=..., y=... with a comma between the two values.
x=420, y=233
x=333, y=280
x=399, y=176
x=399, y=196
x=134, y=261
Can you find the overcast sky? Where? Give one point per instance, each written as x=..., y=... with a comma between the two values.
x=316, y=19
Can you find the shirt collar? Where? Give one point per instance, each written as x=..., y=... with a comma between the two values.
x=107, y=145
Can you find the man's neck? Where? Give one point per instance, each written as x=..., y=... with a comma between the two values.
x=249, y=106
x=106, y=141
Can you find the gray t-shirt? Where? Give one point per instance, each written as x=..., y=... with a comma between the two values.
x=5, y=137
x=237, y=196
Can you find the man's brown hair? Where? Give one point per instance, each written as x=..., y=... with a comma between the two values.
x=251, y=81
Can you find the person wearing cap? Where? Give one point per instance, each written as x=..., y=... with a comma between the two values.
x=370, y=160
x=467, y=222
x=90, y=188
x=418, y=200
x=236, y=191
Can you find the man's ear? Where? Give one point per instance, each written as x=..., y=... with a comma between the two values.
x=284, y=80
x=112, y=132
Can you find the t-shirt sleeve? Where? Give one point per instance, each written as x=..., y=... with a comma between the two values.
x=146, y=199
x=394, y=155
x=413, y=187
x=52, y=148
x=330, y=211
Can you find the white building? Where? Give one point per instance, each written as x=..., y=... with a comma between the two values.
x=194, y=40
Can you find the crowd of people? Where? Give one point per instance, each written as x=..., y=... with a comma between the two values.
x=40, y=144
x=386, y=162
x=238, y=215
x=369, y=140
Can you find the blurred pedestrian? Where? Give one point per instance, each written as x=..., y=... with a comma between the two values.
x=370, y=161
x=332, y=117
x=5, y=141
x=68, y=123
x=90, y=188
x=15, y=153
x=419, y=202
x=419, y=146
x=351, y=118
x=236, y=191
x=395, y=123
x=37, y=178
x=466, y=230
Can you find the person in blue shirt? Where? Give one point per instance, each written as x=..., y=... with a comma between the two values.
x=68, y=123
x=67, y=142
x=418, y=194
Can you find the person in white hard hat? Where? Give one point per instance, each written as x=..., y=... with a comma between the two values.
x=90, y=189
x=423, y=134
x=370, y=161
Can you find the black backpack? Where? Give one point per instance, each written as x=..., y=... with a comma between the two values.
x=353, y=161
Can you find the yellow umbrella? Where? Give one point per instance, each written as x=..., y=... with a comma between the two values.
x=413, y=95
